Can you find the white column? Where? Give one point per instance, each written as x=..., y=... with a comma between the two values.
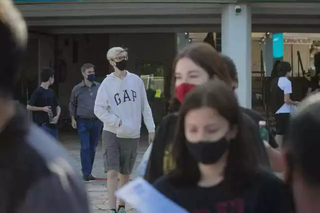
x=269, y=55
x=236, y=43
x=182, y=40
x=263, y=49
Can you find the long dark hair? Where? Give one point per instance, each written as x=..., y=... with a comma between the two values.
x=232, y=69
x=285, y=67
x=276, y=69
x=241, y=161
x=205, y=56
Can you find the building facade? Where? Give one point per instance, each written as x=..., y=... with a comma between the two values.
x=66, y=34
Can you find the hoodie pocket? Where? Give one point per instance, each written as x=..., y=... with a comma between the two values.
x=126, y=130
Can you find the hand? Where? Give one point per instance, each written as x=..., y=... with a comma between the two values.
x=266, y=144
x=55, y=120
x=296, y=103
x=46, y=109
x=74, y=123
x=151, y=137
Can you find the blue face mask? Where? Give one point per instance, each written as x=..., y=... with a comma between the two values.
x=91, y=77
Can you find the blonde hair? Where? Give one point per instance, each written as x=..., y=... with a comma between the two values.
x=114, y=51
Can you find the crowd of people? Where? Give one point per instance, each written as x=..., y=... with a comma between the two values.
x=207, y=154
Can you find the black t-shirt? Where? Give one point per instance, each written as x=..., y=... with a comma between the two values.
x=160, y=162
x=263, y=193
x=160, y=146
x=314, y=83
x=40, y=98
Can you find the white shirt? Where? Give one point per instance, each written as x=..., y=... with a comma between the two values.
x=285, y=84
x=123, y=100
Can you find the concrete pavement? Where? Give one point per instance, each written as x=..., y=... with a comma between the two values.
x=97, y=190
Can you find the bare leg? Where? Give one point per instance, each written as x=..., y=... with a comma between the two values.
x=279, y=140
x=112, y=185
x=124, y=179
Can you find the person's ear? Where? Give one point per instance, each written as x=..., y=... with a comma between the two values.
x=214, y=76
x=232, y=132
x=112, y=63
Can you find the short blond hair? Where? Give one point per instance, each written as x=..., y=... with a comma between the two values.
x=113, y=52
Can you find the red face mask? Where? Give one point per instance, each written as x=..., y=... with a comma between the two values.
x=182, y=90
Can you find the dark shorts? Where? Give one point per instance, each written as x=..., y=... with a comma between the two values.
x=282, y=122
x=119, y=154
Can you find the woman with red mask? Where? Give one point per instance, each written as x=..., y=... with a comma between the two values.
x=194, y=65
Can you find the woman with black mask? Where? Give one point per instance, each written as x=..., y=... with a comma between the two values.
x=215, y=170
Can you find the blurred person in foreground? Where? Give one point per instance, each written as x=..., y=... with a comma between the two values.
x=301, y=149
x=194, y=65
x=215, y=168
x=35, y=173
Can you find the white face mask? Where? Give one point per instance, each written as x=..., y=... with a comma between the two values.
x=51, y=81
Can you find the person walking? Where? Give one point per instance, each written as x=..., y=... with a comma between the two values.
x=44, y=104
x=120, y=104
x=215, y=169
x=36, y=173
x=282, y=105
x=83, y=119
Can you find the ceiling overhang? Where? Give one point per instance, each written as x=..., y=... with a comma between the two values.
x=172, y=16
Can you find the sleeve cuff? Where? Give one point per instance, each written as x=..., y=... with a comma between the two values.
x=151, y=130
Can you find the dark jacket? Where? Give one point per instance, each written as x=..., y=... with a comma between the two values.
x=256, y=117
x=35, y=173
x=161, y=150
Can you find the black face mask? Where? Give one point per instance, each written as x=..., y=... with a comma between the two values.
x=208, y=152
x=122, y=65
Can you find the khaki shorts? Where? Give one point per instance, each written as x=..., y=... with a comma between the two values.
x=119, y=154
